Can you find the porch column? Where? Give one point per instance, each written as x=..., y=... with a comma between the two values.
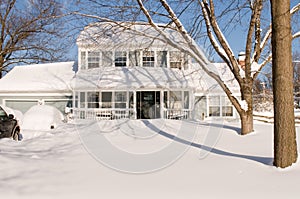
x=134, y=105
x=161, y=104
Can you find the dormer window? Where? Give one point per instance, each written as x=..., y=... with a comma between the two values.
x=121, y=59
x=148, y=59
x=93, y=59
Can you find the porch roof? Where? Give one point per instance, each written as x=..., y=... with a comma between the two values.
x=135, y=78
x=123, y=78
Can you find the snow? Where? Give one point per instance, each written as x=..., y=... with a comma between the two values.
x=59, y=163
x=42, y=117
x=51, y=77
x=244, y=105
x=18, y=115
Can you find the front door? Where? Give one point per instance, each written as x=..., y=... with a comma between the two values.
x=148, y=104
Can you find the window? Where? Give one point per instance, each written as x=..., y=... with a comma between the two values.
x=83, y=60
x=166, y=99
x=175, y=59
x=120, y=99
x=148, y=59
x=214, y=106
x=106, y=99
x=134, y=58
x=227, y=109
x=185, y=61
x=131, y=100
x=76, y=100
x=162, y=59
x=175, y=99
x=93, y=59
x=82, y=100
x=107, y=60
x=120, y=59
x=93, y=99
x=186, y=99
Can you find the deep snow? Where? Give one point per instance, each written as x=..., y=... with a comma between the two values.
x=57, y=164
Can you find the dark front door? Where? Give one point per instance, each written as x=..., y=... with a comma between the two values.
x=148, y=104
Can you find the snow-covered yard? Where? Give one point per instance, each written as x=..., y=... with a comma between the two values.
x=62, y=163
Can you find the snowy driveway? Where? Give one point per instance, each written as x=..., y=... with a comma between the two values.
x=55, y=164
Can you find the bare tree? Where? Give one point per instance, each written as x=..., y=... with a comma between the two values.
x=285, y=146
x=31, y=32
x=257, y=48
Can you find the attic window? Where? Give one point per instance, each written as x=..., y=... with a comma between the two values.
x=93, y=59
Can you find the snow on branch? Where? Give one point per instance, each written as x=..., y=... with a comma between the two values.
x=295, y=8
x=296, y=35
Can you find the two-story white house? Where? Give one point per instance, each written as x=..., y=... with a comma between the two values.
x=131, y=73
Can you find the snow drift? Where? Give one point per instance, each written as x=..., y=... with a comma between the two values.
x=42, y=117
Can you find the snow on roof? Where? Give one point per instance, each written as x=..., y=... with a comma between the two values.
x=108, y=35
x=114, y=78
x=38, y=78
x=123, y=78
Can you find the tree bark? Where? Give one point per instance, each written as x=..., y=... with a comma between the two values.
x=285, y=146
x=246, y=113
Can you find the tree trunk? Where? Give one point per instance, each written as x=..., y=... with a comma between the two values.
x=246, y=122
x=246, y=114
x=285, y=146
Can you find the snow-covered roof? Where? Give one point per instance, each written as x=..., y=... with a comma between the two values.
x=108, y=35
x=38, y=78
x=123, y=78
x=129, y=78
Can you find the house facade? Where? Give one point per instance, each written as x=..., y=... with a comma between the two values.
x=127, y=71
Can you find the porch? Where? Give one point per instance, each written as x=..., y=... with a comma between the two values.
x=146, y=104
x=112, y=114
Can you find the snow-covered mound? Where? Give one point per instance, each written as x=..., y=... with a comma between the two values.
x=42, y=117
x=17, y=114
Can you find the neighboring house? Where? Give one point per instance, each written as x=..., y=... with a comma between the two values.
x=122, y=73
x=28, y=85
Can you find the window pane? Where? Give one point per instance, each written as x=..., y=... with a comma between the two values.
x=186, y=99
x=214, y=111
x=175, y=100
x=166, y=99
x=76, y=100
x=120, y=99
x=82, y=100
x=120, y=58
x=148, y=58
x=227, y=111
x=131, y=100
x=175, y=59
x=107, y=60
x=83, y=60
x=120, y=96
x=185, y=61
x=93, y=99
x=93, y=59
x=106, y=99
x=162, y=59
x=134, y=58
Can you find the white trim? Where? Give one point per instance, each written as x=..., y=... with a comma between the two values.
x=35, y=94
